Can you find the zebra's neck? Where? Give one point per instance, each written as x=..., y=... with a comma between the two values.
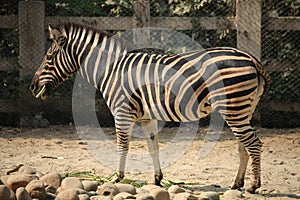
x=98, y=60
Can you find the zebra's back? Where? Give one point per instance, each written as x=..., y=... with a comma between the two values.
x=188, y=86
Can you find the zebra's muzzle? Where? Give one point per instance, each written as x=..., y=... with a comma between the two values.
x=41, y=92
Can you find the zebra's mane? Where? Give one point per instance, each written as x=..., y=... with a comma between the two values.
x=67, y=26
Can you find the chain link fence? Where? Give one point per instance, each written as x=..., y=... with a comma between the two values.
x=9, y=76
x=280, y=53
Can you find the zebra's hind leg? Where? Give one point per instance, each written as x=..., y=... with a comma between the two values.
x=252, y=144
x=151, y=132
x=244, y=157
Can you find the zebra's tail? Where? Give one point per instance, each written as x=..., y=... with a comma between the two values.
x=264, y=74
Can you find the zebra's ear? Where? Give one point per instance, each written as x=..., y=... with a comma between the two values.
x=54, y=33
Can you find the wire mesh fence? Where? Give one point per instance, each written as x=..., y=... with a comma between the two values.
x=281, y=52
x=210, y=23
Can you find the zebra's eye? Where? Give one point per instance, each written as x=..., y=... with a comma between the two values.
x=49, y=57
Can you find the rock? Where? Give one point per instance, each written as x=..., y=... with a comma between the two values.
x=68, y=194
x=118, y=198
x=22, y=194
x=39, y=174
x=185, y=196
x=90, y=185
x=26, y=170
x=149, y=187
x=144, y=197
x=50, y=189
x=124, y=195
x=71, y=182
x=233, y=194
x=108, y=189
x=126, y=188
x=92, y=193
x=19, y=180
x=81, y=191
x=6, y=193
x=209, y=195
x=142, y=191
x=84, y=197
x=160, y=193
x=175, y=189
x=4, y=179
x=36, y=189
x=12, y=195
x=50, y=196
x=101, y=197
x=58, y=190
x=52, y=179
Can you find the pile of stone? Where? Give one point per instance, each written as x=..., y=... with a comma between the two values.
x=27, y=184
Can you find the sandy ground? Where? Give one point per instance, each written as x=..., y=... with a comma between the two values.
x=60, y=148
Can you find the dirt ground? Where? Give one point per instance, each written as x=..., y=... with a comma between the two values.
x=60, y=148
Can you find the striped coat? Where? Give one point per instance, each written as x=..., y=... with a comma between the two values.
x=149, y=87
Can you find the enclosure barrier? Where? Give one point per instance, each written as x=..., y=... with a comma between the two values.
x=32, y=22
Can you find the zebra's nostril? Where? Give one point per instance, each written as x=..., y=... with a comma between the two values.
x=32, y=87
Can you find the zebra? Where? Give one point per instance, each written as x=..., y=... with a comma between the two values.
x=124, y=85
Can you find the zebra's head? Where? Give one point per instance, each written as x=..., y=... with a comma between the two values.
x=55, y=67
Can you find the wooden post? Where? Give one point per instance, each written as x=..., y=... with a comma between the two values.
x=141, y=37
x=142, y=13
x=248, y=24
x=32, y=35
x=32, y=50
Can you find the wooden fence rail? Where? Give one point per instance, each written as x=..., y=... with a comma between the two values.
x=175, y=23
x=32, y=23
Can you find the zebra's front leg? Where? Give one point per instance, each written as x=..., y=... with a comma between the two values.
x=123, y=131
x=151, y=132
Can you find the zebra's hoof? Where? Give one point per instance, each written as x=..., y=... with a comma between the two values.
x=238, y=186
x=157, y=182
x=118, y=178
x=252, y=189
x=157, y=179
